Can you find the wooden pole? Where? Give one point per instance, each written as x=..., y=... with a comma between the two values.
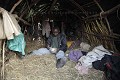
x=100, y=36
x=0, y=47
x=113, y=45
x=3, y=61
x=88, y=4
x=80, y=7
x=105, y=17
x=52, y=5
x=71, y=12
x=103, y=14
x=25, y=22
x=15, y=5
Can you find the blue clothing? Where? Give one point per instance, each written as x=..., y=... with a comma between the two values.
x=60, y=54
x=17, y=44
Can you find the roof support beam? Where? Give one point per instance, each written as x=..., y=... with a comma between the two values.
x=52, y=5
x=105, y=17
x=98, y=5
x=25, y=22
x=88, y=4
x=15, y=5
x=104, y=14
x=71, y=12
x=79, y=7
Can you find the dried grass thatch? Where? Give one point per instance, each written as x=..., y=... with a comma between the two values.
x=43, y=68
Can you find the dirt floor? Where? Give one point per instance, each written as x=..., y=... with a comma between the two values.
x=43, y=67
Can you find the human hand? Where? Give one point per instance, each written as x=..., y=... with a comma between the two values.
x=53, y=50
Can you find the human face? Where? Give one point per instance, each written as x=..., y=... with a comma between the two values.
x=55, y=32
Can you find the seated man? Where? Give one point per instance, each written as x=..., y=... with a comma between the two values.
x=57, y=44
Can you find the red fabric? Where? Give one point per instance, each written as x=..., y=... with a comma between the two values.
x=108, y=66
x=116, y=54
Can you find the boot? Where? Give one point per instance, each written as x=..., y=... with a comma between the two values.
x=60, y=63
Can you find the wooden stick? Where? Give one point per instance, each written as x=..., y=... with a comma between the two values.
x=88, y=4
x=105, y=17
x=107, y=43
x=104, y=14
x=79, y=7
x=25, y=22
x=99, y=35
x=71, y=12
x=3, y=60
x=115, y=34
x=25, y=11
x=102, y=37
x=52, y=5
x=15, y=5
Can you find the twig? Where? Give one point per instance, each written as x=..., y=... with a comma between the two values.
x=25, y=11
x=25, y=22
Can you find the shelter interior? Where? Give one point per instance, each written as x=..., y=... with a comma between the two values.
x=96, y=22
x=87, y=20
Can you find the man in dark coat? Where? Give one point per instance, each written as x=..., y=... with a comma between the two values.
x=58, y=41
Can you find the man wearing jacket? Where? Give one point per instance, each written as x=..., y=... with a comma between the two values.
x=58, y=41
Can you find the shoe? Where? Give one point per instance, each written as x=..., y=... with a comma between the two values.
x=22, y=56
x=60, y=63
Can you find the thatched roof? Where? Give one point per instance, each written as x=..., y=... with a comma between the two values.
x=80, y=8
